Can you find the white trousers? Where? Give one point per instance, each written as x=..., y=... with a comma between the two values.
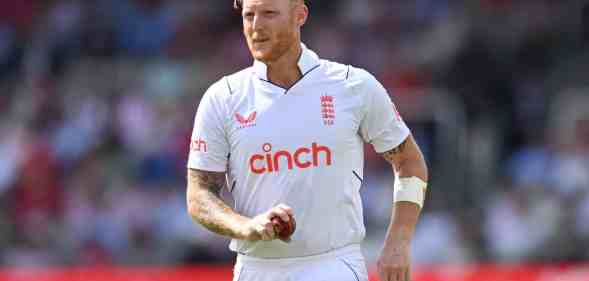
x=343, y=264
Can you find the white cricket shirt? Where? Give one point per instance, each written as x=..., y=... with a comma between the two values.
x=302, y=147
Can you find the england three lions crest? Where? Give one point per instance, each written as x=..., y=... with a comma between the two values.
x=327, y=110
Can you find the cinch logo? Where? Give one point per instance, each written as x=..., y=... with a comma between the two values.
x=198, y=145
x=250, y=121
x=302, y=158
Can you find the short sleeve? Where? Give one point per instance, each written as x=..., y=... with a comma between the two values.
x=209, y=148
x=382, y=125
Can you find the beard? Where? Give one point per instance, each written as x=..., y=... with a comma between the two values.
x=274, y=48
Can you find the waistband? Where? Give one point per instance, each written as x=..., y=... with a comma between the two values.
x=345, y=250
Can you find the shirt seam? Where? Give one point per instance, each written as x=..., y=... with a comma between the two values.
x=350, y=268
x=364, y=109
x=348, y=73
x=228, y=85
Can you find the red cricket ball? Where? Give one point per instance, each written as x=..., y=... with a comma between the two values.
x=284, y=229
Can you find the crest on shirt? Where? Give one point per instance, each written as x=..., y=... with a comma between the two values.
x=327, y=110
x=244, y=122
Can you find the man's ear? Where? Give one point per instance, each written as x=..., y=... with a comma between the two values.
x=301, y=14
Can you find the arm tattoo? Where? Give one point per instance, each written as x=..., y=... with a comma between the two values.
x=212, y=181
x=205, y=204
x=390, y=155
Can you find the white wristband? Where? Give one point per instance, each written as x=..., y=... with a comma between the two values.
x=410, y=189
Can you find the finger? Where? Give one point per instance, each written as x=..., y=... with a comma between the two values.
x=260, y=230
x=284, y=213
x=278, y=212
x=266, y=231
x=400, y=274
x=403, y=274
x=265, y=236
x=256, y=235
x=394, y=275
x=382, y=276
x=408, y=274
x=382, y=273
x=385, y=275
x=286, y=208
x=269, y=231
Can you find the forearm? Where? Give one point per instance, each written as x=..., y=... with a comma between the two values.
x=206, y=207
x=402, y=224
x=406, y=214
x=407, y=162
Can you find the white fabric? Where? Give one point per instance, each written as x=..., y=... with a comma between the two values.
x=410, y=190
x=344, y=264
x=302, y=147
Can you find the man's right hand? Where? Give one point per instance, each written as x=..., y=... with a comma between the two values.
x=260, y=227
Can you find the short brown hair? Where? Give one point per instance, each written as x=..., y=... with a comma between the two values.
x=238, y=4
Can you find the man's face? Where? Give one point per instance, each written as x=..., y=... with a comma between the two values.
x=271, y=27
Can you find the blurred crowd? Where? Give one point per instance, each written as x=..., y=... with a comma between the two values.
x=97, y=100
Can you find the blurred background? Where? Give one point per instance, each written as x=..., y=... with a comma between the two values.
x=97, y=100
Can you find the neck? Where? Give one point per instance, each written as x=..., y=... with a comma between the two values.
x=285, y=70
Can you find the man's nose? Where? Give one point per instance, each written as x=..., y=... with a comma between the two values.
x=258, y=22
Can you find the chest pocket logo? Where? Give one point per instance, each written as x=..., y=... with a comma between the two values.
x=245, y=122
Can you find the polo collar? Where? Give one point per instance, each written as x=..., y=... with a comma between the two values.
x=307, y=62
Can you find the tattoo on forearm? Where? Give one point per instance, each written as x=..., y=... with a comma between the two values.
x=205, y=204
x=389, y=155
x=212, y=181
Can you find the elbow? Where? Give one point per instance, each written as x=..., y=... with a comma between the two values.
x=414, y=166
x=419, y=166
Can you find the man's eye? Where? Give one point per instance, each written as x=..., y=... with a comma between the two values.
x=248, y=15
x=270, y=13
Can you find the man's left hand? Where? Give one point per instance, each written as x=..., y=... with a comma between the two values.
x=394, y=262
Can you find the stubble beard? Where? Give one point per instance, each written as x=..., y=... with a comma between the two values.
x=284, y=42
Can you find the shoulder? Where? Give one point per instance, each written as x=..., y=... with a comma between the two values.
x=357, y=81
x=334, y=70
x=360, y=77
x=235, y=81
x=228, y=85
x=364, y=84
x=353, y=77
